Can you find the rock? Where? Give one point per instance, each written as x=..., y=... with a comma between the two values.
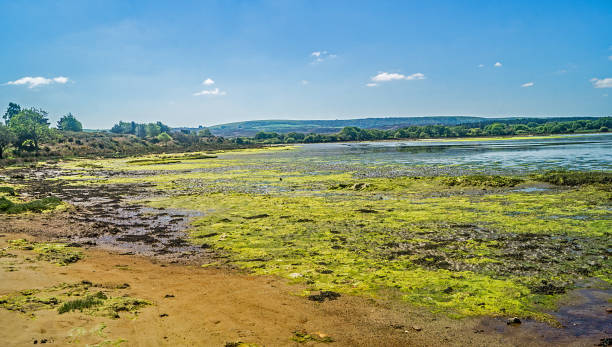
x=609, y=310
x=513, y=321
x=163, y=315
x=417, y=328
x=169, y=296
x=295, y=275
x=324, y=295
x=605, y=342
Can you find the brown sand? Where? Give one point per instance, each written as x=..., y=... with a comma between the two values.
x=211, y=307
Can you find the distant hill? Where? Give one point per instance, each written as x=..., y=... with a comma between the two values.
x=250, y=128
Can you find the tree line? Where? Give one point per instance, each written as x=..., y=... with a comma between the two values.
x=26, y=134
x=511, y=127
x=26, y=128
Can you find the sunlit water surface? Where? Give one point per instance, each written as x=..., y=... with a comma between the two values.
x=576, y=152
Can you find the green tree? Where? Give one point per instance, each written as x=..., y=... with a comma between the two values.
x=6, y=138
x=69, y=123
x=164, y=137
x=205, y=132
x=152, y=130
x=30, y=126
x=12, y=110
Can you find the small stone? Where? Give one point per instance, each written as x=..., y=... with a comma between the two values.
x=609, y=310
x=295, y=275
x=163, y=315
x=417, y=328
x=513, y=320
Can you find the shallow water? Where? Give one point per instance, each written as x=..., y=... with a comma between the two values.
x=574, y=152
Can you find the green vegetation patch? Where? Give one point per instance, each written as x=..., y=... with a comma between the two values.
x=488, y=254
x=8, y=191
x=41, y=205
x=575, y=178
x=86, y=297
x=153, y=161
x=482, y=181
x=302, y=336
x=57, y=253
x=437, y=241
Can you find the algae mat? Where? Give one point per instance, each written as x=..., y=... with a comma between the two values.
x=457, y=241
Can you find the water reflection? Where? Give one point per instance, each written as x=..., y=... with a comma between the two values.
x=584, y=152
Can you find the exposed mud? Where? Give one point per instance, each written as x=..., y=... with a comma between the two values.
x=108, y=217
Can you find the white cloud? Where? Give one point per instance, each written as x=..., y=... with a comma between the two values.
x=208, y=82
x=32, y=82
x=320, y=56
x=60, y=79
x=305, y=82
x=603, y=83
x=498, y=64
x=610, y=57
x=371, y=84
x=480, y=65
x=212, y=92
x=528, y=84
x=386, y=77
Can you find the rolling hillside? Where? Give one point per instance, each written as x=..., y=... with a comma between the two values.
x=250, y=128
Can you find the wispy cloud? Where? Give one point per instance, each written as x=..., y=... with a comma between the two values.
x=498, y=64
x=305, y=82
x=602, y=83
x=371, y=84
x=480, y=65
x=33, y=82
x=321, y=56
x=208, y=82
x=386, y=77
x=211, y=92
x=610, y=57
x=526, y=85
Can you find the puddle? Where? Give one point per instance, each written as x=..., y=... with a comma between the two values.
x=531, y=189
x=586, y=317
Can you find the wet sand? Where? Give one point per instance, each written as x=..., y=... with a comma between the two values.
x=211, y=307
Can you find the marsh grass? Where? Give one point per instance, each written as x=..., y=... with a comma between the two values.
x=82, y=304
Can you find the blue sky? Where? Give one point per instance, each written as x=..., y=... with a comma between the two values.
x=209, y=62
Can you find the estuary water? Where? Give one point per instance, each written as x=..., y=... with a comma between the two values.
x=570, y=152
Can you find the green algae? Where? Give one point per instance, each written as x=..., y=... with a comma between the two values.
x=57, y=253
x=575, y=178
x=301, y=336
x=38, y=206
x=84, y=296
x=482, y=180
x=464, y=246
